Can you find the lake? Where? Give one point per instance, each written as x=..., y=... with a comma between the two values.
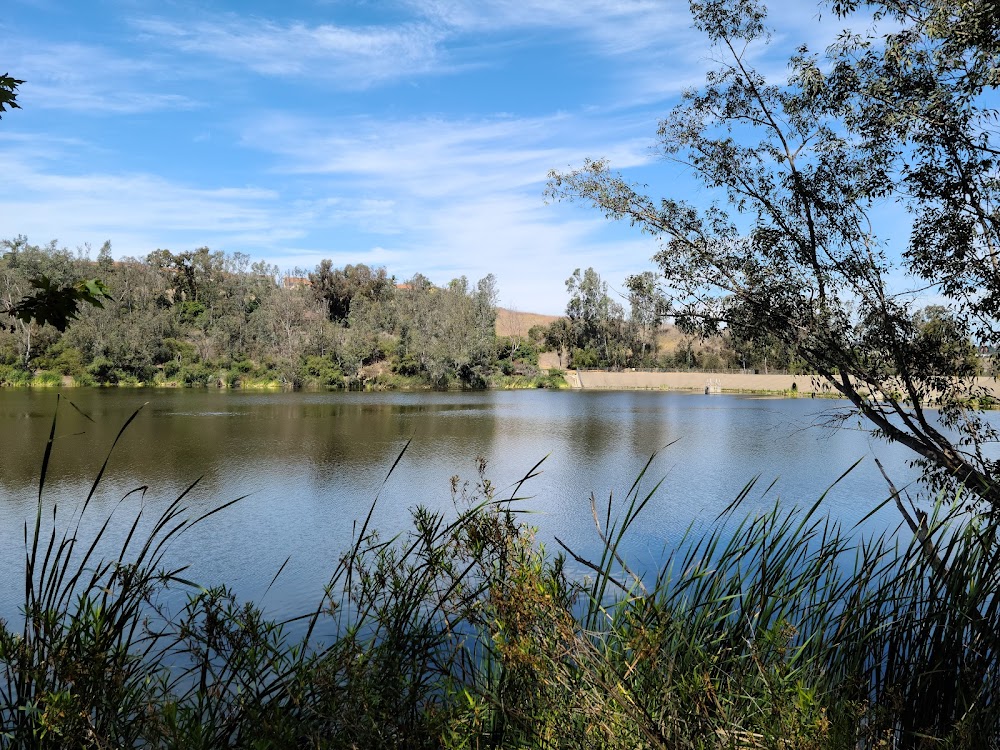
x=312, y=464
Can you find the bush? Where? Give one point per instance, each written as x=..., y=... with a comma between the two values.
x=242, y=366
x=12, y=375
x=46, y=379
x=197, y=374
x=408, y=365
x=320, y=372
x=66, y=360
x=585, y=358
x=103, y=371
x=553, y=379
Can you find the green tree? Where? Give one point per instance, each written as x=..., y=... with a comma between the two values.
x=128, y=333
x=646, y=313
x=597, y=320
x=195, y=273
x=945, y=346
x=338, y=287
x=52, y=274
x=901, y=115
x=558, y=336
x=447, y=332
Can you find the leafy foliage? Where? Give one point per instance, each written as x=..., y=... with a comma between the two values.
x=205, y=318
x=8, y=92
x=338, y=287
x=57, y=305
x=791, y=255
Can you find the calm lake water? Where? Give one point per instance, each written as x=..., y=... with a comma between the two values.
x=312, y=463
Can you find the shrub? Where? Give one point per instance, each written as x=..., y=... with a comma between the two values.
x=12, y=375
x=321, y=372
x=103, y=371
x=585, y=358
x=408, y=365
x=46, y=379
x=197, y=374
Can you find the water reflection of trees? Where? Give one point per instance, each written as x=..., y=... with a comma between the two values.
x=182, y=435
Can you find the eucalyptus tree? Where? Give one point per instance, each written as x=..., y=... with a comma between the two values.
x=130, y=329
x=899, y=115
x=285, y=323
x=646, y=313
x=596, y=320
x=338, y=287
x=447, y=332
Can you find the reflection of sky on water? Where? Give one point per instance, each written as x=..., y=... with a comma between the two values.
x=312, y=464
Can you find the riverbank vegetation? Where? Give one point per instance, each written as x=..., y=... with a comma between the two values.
x=207, y=318
x=599, y=332
x=776, y=628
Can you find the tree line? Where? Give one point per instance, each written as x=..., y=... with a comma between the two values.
x=598, y=331
x=206, y=317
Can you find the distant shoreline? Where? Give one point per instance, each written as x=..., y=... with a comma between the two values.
x=702, y=382
x=694, y=380
x=691, y=381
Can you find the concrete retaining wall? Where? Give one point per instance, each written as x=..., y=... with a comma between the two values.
x=697, y=381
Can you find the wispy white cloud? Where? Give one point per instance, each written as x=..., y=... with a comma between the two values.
x=138, y=211
x=463, y=197
x=90, y=79
x=345, y=56
x=439, y=36
x=651, y=52
x=530, y=247
x=613, y=27
x=657, y=52
x=436, y=158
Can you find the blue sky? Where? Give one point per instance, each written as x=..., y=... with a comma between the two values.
x=414, y=134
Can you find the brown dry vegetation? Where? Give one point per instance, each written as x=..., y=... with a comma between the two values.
x=517, y=323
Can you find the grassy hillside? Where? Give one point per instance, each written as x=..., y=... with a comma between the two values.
x=517, y=323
